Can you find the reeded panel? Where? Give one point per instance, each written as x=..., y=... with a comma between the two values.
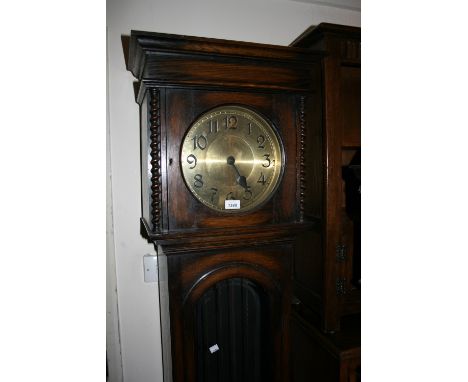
x=230, y=339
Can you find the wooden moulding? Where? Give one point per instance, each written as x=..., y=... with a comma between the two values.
x=206, y=239
x=184, y=61
x=316, y=32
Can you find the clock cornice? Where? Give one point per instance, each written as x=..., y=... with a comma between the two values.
x=172, y=60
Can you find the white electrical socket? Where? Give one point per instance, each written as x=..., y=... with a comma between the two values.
x=150, y=266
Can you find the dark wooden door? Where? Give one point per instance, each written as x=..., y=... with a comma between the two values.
x=232, y=324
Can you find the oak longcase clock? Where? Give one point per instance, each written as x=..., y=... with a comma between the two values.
x=223, y=128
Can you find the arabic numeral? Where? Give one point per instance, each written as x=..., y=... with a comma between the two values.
x=213, y=126
x=268, y=161
x=214, y=191
x=192, y=159
x=261, y=179
x=247, y=194
x=261, y=142
x=230, y=196
x=198, y=181
x=199, y=142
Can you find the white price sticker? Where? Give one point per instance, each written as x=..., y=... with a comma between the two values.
x=232, y=204
x=214, y=348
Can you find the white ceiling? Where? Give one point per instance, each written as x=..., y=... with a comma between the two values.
x=346, y=4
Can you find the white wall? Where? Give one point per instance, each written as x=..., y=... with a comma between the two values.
x=264, y=21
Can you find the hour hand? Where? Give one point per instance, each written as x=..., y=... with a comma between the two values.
x=240, y=179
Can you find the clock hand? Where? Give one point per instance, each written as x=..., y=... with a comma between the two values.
x=241, y=180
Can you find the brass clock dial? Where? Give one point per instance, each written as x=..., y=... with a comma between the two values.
x=232, y=159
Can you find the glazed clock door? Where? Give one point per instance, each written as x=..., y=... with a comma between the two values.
x=214, y=162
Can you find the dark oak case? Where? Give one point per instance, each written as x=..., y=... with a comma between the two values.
x=225, y=280
x=327, y=277
x=325, y=320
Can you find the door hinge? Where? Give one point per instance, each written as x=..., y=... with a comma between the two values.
x=340, y=286
x=341, y=253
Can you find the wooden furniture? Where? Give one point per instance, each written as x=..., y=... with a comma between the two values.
x=317, y=356
x=225, y=285
x=327, y=262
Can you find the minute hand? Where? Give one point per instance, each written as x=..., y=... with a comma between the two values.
x=240, y=179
